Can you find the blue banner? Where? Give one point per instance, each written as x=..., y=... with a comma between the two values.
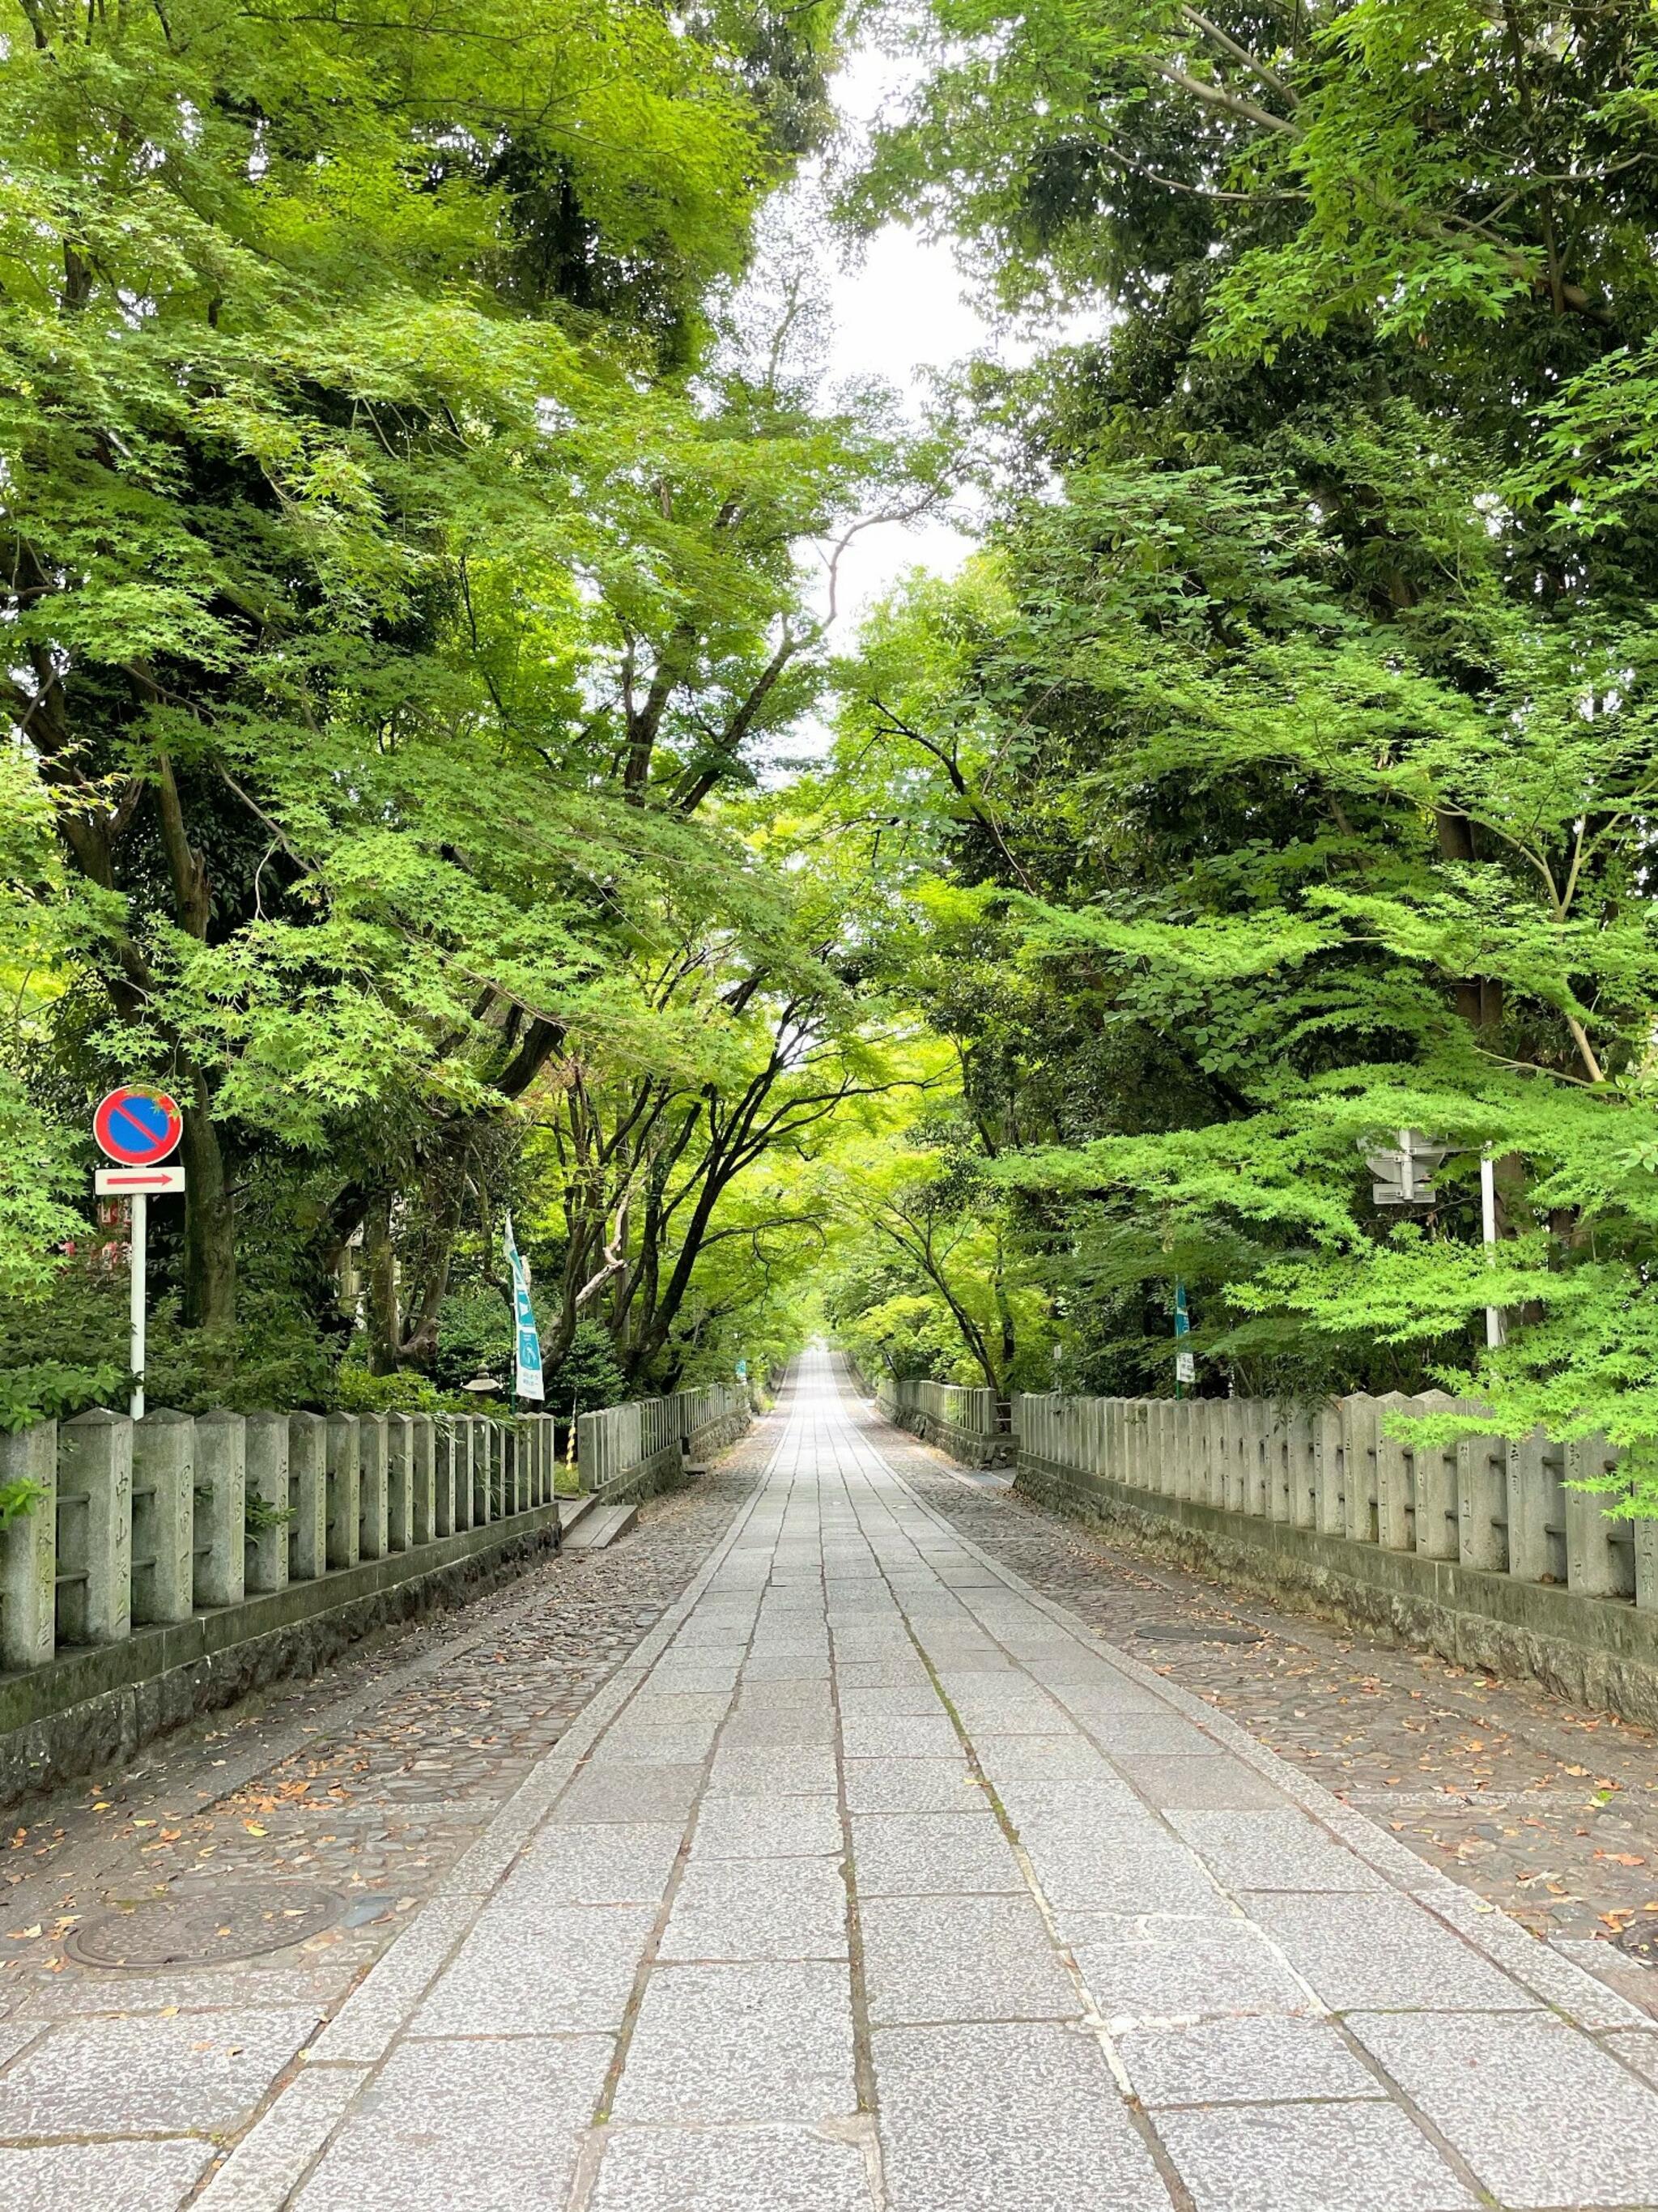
x=527, y=1352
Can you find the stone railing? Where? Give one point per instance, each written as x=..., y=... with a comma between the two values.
x=640, y=1445
x=709, y=1418
x=165, y=1566
x=1481, y=1548
x=142, y=1523
x=966, y=1422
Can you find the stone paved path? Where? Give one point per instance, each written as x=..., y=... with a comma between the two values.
x=371, y=1780
x=1547, y=1810
x=873, y=1882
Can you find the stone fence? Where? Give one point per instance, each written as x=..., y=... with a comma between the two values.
x=1481, y=1549
x=167, y=1565
x=972, y=1425
x=639, y=1445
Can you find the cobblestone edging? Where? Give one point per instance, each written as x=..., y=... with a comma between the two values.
x=372, y=1783
x=1545, y=1809
x=97, y=1707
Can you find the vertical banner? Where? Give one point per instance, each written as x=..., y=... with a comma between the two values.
x=526, y=1336
x=1186, y=1365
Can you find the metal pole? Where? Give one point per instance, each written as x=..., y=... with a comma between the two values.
x=136, y=1338
x=1496, y=1329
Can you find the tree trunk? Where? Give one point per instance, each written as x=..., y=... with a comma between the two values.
x=379, y=1258
x=209, y=1217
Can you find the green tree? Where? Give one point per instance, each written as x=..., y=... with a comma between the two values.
x=1292, y=742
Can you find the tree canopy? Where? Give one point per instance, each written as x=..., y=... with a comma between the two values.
x=420, y=488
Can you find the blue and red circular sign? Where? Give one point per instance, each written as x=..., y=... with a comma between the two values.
x=137, y=1126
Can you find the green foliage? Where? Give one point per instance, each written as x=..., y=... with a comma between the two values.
x=1280, y=775
x=587, y=1376
x=475, y=1336
x=20, y=1497
x=407, y=487
x=260, y=1516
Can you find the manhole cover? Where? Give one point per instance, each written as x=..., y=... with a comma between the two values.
x=1640, y=1940
x=201, y=1929
x=1196, y=1631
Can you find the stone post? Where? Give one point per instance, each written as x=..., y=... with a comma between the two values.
x=1176, y=1480
x=1197, y=1454
x=446, y=1448
x=1191, y=1477
x=1358, y=1468
x=592, y=1433
x=1126, y=1470
x=221, y=1547
x=400, y=1481
x=1482, y=1494
x=1596, y=1565
x=1301, y=1461
x=1328, y=1472
x=308, y=1497
x=478, y=1430
x=1534, y=1556
x=1435, y=1468
x=163, y=1516
x=1275, y=1452
x=1231, y=1448
x=423, y=1475
x=28, y=1550
x=344, y=1464
x=1218, y=1456
x=501, y=1468
x=1252, y=1445
x=1110, y=1439
x=95, y=1528
x=373, y=1485
x=1394, y=1505
x=1176, y=1429
x=265, y=1550
x=464, y=1449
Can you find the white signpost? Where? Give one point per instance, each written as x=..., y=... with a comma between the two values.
x=1403, y=1176
x=137, y=1127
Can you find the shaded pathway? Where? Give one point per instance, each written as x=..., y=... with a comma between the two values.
x=1098, y=1948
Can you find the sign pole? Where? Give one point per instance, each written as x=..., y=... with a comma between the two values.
x=138, y=1128
x=140, y=1203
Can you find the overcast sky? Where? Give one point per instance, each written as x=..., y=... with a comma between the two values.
x=903, y=310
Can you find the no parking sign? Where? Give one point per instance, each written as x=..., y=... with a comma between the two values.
x=136, y=1127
